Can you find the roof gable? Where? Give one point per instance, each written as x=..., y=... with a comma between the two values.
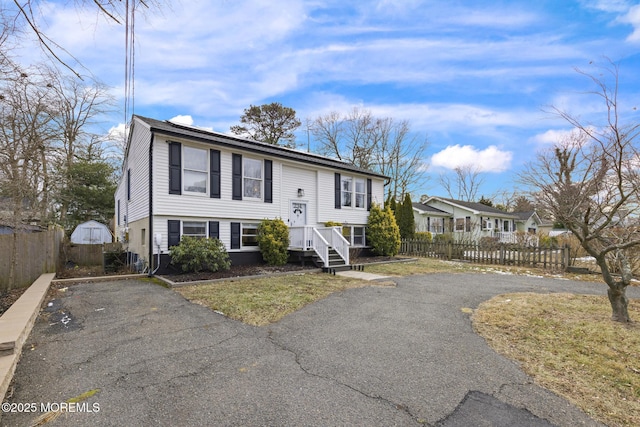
x=428, y=209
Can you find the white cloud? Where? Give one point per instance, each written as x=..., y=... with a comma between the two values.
x=182, y=120
x=552, y=136
x=491, y=159
x=633, y=17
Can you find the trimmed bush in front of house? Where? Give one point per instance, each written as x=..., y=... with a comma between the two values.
x=273, y=241
x=383, y=234
x=195, y=254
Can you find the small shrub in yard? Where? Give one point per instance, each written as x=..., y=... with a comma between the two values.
x=195, y=254
x=383, y=233
x=273, y=240
x=423, y=235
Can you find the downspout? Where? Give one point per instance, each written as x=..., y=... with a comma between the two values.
x=151, y=270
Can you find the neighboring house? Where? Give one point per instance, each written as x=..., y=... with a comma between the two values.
x=472, y=221
x=91, y=233
x=528, y=222
x=430, y=219
x=185, y=181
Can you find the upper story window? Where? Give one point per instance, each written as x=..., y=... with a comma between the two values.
x=252, y=178
x=361, y=193
x=347, y=190
x=195, y=171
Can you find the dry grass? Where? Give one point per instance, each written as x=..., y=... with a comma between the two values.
x=266, y=300
x=569, y=345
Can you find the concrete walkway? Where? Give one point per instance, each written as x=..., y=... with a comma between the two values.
x=373, y=356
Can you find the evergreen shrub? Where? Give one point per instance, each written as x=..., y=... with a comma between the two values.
x=195, y=254
x=273, y=240
x=383, y=234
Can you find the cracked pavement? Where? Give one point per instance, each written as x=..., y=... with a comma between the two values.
x=374, y=356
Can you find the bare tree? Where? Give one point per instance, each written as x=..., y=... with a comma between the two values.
x=25, y=138
x=590, y=182
x=76, y=106
x=383, y=145
x=465, y=183
x=25, y=18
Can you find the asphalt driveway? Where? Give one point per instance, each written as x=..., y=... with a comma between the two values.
x=375, y=356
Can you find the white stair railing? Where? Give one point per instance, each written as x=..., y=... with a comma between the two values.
x=321, y=247
x=340, y=244
x=320, y=240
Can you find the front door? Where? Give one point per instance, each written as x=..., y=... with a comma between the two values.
x=298, y=214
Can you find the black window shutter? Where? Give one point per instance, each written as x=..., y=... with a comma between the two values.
x=235, y=235
x=128, y=184
x=174, y=232
x=175, y=168
x=214, y=230
x=369, y=185
x=338, y=196
x=215, y=173
x=118, y=212
x=268, y=181
x=236, y=173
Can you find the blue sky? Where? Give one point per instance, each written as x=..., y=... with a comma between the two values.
x=473, y=77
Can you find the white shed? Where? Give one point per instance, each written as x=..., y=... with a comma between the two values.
x=91, y=233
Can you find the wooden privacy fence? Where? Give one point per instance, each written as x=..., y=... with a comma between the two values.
x=549, y=257
x=88, y=254
x=36, y=253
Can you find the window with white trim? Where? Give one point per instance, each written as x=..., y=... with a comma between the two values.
x=194, y=228
x=459, y=224
x=354, y=234
x=487, y=224
x=358, y=236
x=346, y=190
x=361, y=193
x=195, y=170
x=252, y=178
x=249, y=234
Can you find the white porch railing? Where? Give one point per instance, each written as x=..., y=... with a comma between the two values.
x=320, y=240
x=505, y=236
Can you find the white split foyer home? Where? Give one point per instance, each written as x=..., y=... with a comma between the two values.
x=185, y=181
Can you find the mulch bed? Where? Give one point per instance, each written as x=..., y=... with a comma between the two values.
x=257, y=270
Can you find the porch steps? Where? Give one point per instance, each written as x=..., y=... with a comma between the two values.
x=335, y=261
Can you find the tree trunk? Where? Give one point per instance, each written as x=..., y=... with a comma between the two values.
x=619, y=303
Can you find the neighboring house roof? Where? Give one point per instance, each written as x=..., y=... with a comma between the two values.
x=183, y=131
x=422, y=208
x=476, y=208
x=525, y=216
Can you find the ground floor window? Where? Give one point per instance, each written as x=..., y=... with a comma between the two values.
x=194, y=228
x=249, y=234
x=354, y=234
